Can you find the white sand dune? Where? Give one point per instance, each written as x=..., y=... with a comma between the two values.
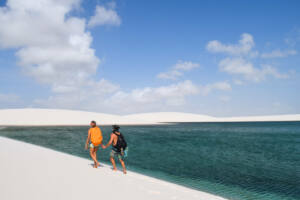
x=272, y=118
x=31, y=172
x=170, y=117
x=160, y=117
x=43, y=117
x=40, y=117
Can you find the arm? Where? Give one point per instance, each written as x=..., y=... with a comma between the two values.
x=87, y=140
x=110, y=141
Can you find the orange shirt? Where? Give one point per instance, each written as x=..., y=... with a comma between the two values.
x=96, y=135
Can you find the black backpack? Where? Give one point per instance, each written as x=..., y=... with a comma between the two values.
x=121, y=142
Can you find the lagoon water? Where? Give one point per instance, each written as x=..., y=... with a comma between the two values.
x=239, y=161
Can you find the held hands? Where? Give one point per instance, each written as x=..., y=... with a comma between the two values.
x=86, y=146
x=103, y=147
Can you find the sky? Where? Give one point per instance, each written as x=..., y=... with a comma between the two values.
x=219, y=58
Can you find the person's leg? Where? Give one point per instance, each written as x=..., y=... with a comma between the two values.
x=92, y=154
x=123, y=165
x=112, y=160
x=95, y=155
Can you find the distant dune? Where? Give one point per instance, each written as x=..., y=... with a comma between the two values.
x=171, y=117
x=274, y=118
x=43, y=117
x=40, y=117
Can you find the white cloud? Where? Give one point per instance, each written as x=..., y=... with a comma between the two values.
x=244, y=46
x=185, y=66
x=279, y=54
x=236, y=66
x=89, y=97
x=34, y=23
x=114, y=99
x=168, y=95
x=178, y=70
x=224, y=86
x=239, y=66
x=239, y=60
x=105, y=16
x=117, y=100
x=172, y=75
x=52, y=47
x=163, y=97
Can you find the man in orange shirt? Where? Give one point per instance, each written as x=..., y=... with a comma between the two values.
x=95, y=137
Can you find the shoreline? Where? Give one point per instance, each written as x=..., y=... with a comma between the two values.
x=37, y=172
x=157, y=124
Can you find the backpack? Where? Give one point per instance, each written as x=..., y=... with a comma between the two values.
x=121, y=142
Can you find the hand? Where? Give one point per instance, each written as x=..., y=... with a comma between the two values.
x=86, y=146
x=103, y=147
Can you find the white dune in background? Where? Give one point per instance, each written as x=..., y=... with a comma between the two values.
x=40, y=117
x=171, y=117
x=51, y=117
x=271, y=118
x=31, y=172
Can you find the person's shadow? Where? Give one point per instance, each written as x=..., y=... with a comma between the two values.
x=92, y=165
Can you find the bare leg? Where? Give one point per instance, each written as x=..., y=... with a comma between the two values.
x=95, y=154
x=123, y=165
x=112, y=160
x=92, y=154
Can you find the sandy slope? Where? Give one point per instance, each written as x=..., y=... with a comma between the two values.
x=31, y=172
x=31, y=117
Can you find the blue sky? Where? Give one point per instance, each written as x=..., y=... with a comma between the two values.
x=221, y=58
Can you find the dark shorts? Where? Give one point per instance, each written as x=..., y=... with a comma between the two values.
x=117, y=154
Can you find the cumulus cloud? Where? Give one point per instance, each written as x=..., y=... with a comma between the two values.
x=117, y=100
x=239, y=66
x=178, y=70
x=239, y=60
x=170, y=95
x=105, y=16
x=224, y=86
x=143, y=99
x=89, y=97
x=52, y=47
x=279, y=54
x=244, y=46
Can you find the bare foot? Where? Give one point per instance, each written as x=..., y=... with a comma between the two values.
x=124, y=172
x=115, y=169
